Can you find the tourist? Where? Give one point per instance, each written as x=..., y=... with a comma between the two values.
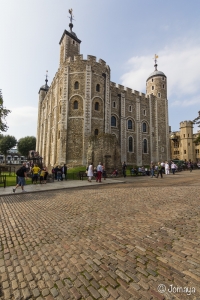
x=152, y=169
x=90, y=172
x=45, y=175
x=173, y=167
x=159, y=170
x=35, y=172
x=104, y=172
x=21, y=176
x=99, y=172
x=64, y=172
x=59, y=173
x=163, y=167
x=166, y=168
x=42, y=173
x=124, y=169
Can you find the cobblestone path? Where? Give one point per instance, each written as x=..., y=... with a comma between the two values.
x=112, y=243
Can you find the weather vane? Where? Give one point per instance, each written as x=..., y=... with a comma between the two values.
x=71, y=15
x=155, y=60
x=71, y=19
x=46, y=76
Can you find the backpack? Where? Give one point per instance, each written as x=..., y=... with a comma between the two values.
x=20, y=172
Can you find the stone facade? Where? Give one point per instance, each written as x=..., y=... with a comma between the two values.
x=83, y=116
x=183, y=146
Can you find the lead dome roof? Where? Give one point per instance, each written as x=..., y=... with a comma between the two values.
x=156, y=73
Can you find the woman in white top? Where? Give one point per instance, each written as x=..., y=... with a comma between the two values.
x=166, y=168
x=90, y=172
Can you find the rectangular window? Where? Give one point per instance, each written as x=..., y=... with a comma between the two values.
x=152, y=87
x=130, y=108
x=144, y=112
x=188, y=144
x=184, y=135
x=184, y=151
x=188, y=135
x=159, y=95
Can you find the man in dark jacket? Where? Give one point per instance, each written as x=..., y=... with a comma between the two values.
x=21, y=175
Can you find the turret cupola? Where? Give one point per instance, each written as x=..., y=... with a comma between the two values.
x=156, y=83
x=69, y=43
x=45, y=87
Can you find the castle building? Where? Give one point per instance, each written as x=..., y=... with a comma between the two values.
x=183, y=146
x=84, y=116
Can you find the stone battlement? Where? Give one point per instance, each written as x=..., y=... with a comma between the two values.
x=186, y=123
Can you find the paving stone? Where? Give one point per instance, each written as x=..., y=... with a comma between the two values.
x=95, y=294
x=26, y=293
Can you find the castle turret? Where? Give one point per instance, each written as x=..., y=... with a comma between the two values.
x=156, y=89
x=156, y=83
x=69, y=43
x=42, y=93
x=187, y=145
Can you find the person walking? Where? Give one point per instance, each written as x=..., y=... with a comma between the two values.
x=90, y=172
x=159, y=170
x=21, y=176
x=99, y=172
x=124, y=169
x=166, y=168
x=152, y=169
x=173, y=167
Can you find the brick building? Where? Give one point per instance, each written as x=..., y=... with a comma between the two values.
x=83, y=116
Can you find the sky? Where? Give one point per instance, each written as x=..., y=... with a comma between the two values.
x=126, y=34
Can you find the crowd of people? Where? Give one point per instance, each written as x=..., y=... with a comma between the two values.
x=60, y=172
x=38, y=175
x=96, y=172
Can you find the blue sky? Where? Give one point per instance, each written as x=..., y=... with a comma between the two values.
x=126, y=34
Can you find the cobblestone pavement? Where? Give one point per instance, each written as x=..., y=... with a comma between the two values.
x=112, y=242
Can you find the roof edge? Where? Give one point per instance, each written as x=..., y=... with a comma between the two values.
x=70, y=35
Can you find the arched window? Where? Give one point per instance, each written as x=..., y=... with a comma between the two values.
x=144, y=127
x=130, y=144
x=96, y=106
x=76, y=85
x=98, y=88
x=130, y=124
x=114, y=104
x=145, y=146
x=75, y=104
x=113, y=121
x=96, y=132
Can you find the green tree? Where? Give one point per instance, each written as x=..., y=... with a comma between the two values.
x=3, y=114
x=197, y=121
x=26, y=144
x=6, y=143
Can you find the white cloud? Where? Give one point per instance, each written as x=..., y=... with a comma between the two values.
x=21, y=121
x=180, y=63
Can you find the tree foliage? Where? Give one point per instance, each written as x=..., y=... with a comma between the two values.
x=26, y=144
x=3, y=114
x=197, y=122
x=6, y=143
